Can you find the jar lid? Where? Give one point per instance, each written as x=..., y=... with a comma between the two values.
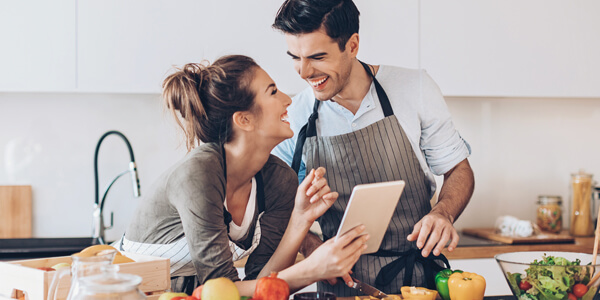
x=549, y=199
x=111, y=281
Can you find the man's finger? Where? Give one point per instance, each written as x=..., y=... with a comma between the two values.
x=415, y=233
x=454, y=242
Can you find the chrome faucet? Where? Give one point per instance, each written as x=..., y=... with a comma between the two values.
x=98, y=218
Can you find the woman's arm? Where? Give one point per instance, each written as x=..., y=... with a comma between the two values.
x=330, y=260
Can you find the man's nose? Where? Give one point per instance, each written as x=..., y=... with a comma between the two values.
x=305, y=69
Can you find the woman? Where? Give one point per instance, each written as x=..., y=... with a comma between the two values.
x=229, y=198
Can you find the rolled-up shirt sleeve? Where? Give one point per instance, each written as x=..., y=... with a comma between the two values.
x=197, y=191
x=442, y=145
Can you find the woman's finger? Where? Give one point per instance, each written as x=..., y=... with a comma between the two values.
x=316, y=186
x=307, y=181
x=320, y=194
x=349, y=236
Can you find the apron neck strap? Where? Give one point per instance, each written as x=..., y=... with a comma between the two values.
x=383, y=98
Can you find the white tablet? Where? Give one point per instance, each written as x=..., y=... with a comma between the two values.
x=372, y=205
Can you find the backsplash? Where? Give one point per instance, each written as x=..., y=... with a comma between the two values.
x=522, y=148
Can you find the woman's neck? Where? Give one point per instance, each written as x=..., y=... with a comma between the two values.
x=244, y=160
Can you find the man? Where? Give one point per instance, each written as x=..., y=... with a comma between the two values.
x=366, y=124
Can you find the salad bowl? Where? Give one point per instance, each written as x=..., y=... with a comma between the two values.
x=550, y=275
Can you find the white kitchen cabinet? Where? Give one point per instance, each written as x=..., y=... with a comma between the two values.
x=536, y=48
x=130, y=46
x=38, y=46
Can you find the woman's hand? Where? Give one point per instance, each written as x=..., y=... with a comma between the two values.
x=336, y=258
x=314, y=197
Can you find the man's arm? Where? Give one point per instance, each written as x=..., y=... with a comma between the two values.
x=434, y=230
x=309, y=244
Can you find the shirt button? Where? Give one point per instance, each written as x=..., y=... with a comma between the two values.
x=353, y=125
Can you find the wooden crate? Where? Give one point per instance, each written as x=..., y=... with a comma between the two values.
x=22, y=277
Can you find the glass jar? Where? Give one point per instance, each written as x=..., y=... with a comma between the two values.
x=581, y=205
x=549, y=213
x=110, y=285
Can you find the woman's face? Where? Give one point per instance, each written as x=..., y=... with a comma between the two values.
x=270, y=108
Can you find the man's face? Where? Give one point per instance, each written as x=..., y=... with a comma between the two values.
x=319, y=61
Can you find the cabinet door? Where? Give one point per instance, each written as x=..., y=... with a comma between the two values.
x=513, y=48
x=38, y=45
x=129, y=46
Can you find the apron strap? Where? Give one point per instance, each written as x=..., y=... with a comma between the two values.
x=309, y=129
x=407, y=260
x=260, y=192
x=383, y=98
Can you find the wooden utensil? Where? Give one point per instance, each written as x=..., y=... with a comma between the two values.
x=15, y=211
x=595, y=252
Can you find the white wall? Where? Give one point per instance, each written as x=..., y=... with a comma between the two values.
x=521, y=148
x=48, y=141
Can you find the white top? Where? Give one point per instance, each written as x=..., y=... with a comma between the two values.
x=236, y=232
x=418, y=105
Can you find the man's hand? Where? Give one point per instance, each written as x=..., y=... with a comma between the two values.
x=432, y=232
x=435, y=229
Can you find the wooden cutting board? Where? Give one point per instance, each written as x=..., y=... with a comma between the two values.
x=543, y=238
x=15, y=211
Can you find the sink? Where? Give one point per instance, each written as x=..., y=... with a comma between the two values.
x=11, y=249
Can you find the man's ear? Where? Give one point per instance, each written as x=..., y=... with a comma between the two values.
x=352, y=45
x=243, y=120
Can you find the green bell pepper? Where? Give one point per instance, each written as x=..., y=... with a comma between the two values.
x=441, y=282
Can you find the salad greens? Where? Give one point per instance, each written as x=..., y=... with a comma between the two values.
x=551, y=278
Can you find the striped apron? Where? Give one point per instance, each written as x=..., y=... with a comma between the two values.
x=377, y=153
x=183, y=273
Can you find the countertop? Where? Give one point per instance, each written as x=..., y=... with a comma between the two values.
x=473, y=247
x=581, y=244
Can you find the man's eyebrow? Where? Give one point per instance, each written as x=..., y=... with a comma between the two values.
x=312, y=56
x=316, y=55
x=272, y=85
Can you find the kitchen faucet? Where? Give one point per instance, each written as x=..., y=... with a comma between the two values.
x=98, y=218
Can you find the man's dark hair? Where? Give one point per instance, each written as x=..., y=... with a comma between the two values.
x=339, y=18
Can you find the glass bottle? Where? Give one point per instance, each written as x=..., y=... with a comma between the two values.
x=581, y=205
x=549, y=213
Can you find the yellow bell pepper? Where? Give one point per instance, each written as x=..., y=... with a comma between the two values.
x=466, y=286
x=417, y=293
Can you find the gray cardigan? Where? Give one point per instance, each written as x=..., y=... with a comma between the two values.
x=187, y=201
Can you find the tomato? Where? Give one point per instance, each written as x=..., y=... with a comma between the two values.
x=579, y=290
x=524, y=285
x=197, y=294
x=571, y=296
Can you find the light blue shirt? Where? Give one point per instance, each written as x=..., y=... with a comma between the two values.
x=418, y=105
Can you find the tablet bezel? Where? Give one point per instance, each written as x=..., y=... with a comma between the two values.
x=372, y=205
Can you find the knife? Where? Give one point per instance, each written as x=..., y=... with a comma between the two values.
x=368, y=289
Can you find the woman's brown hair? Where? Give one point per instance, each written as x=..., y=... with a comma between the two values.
x=206, y=96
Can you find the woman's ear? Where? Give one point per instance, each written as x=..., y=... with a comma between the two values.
x=243, y=120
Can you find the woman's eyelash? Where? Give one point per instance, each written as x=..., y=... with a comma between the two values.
x=274, y=92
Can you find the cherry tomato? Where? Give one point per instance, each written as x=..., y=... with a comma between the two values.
x=524, y=285
x=571, y=296
x=579, y=290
